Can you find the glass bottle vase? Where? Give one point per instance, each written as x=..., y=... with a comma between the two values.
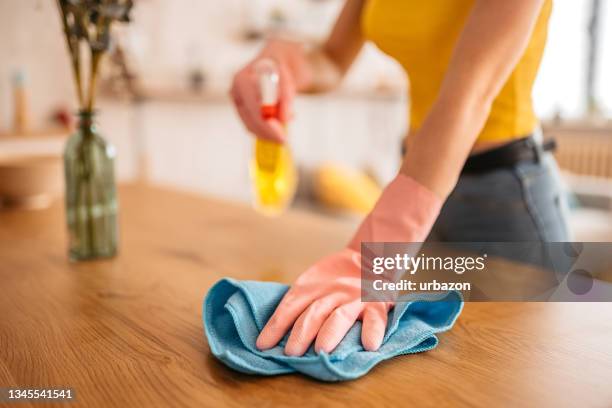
x=91, y=202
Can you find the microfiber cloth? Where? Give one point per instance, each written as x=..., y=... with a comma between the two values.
x=236, y=311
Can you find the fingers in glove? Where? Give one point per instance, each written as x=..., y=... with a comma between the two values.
x=374, y=325
x=337, y=325
x=307, y=326
x=287, y=311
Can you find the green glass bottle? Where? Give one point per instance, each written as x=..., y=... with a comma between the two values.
x=91, y=198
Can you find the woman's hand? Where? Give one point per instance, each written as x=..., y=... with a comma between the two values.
x=323, y=304
x=318, y=70
x=325, y=301
x=293, y=69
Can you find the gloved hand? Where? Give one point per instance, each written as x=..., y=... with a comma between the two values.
x=325, y=301
x=293, y=68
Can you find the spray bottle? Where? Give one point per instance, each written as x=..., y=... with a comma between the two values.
x=273, y=173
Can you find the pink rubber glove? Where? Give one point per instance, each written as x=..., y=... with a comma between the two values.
x=293, y=73
x=325, y=301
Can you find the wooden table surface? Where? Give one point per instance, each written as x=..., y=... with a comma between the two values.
x=128, y=332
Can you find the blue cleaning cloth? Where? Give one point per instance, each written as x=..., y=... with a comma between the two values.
x=235, y=312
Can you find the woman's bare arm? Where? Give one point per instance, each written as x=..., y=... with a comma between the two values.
x=491, y=44
x=335, y=56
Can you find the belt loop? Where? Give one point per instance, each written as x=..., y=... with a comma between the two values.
x=536, y=143
x=538, y=134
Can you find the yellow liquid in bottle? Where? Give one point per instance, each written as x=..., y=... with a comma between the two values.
x=274, y=177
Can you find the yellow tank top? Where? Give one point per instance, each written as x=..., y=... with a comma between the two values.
x=421, y=35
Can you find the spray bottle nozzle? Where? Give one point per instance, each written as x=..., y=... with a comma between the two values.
x=269, y=78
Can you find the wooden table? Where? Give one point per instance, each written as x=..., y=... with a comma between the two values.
x=128, y=332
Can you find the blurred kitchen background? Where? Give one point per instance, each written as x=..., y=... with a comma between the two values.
x=164, y=105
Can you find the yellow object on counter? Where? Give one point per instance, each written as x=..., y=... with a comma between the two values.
x=344, y=189
x=274, y=177
x=421, y=36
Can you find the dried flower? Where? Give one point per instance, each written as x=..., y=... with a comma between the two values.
x=89, y=22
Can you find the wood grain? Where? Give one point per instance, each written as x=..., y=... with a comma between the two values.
x=128, y=332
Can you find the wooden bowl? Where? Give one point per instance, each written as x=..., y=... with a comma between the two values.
x=30, y=181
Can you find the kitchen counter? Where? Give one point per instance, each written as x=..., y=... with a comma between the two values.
x=128, y=331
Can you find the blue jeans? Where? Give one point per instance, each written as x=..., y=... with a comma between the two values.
x=523, y=203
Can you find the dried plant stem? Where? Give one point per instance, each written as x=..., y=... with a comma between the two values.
x=96, y=57
x=75, y=56
x=76, y=66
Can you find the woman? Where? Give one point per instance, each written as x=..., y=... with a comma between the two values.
x=471, y=64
